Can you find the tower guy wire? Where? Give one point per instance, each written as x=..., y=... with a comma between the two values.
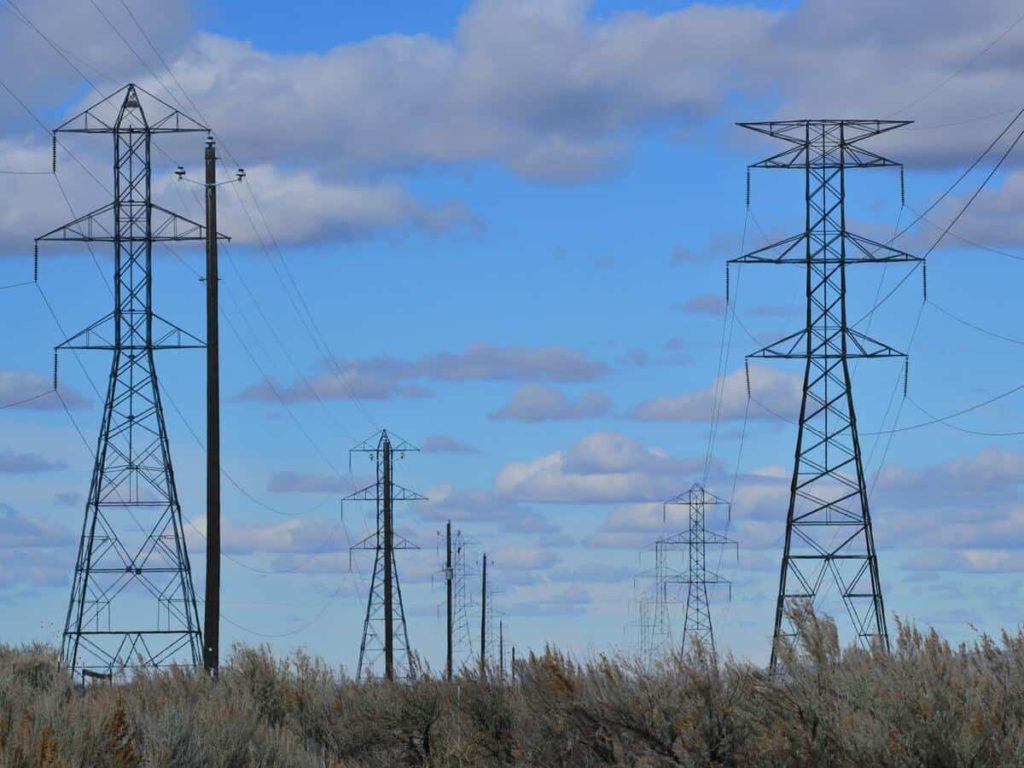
x=385, y=634
x=132, y=550
x=828, y=523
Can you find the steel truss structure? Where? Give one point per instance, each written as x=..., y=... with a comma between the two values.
x=132, y=599
x=462, y=631
x=384, y=628
x=828, y=524
x=654, y=614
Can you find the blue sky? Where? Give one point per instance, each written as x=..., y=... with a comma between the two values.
x=507, y=224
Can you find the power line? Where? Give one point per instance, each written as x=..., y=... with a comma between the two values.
x=962, y=68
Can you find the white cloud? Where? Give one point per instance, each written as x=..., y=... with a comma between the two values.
x=13, y=463
x=557, y=109
x=603, y=467
x=300, y=207
x=522, y=558
x=445, y=502
x=968, y=561
x=535, y=402
x=382, y=378
x=300, y=536
x=704, y=304
x=772, y=392
x=446, y=444
x=18, y=531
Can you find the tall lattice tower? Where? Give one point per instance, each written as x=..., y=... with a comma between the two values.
x=828, y=525
x=655, y=613
x=697, y=618
x=385, y=634
x=132, y=600
x=462, y=631
x=459, y=637
x=654, y=621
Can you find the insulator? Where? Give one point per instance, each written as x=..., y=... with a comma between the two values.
x=748, y=187
x=55, y=371
x=746, y=367
x=727, y=283
x=924, y=279
x=35, y=264
x=55, y=153
x=906, y=375
x=903, y=189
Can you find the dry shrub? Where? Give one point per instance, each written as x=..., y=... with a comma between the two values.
x=928, y=703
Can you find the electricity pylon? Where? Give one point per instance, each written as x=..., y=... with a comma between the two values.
x=697, y=627
x=132, y=550
x=828, y=525
x=459, y=645
x=655, y=615
x=384, y=628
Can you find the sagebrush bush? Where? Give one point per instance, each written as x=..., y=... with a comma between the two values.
x=927, y=703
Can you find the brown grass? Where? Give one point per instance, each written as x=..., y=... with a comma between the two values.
x=926, y=704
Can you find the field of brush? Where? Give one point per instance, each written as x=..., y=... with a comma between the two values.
x=926, y=704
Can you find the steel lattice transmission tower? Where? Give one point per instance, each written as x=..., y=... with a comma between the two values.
x=384, y=629
x=132, y=552
x=655, y=618
x=459, y=646
x=463, y=604
x=697, y=618
x=828, y=525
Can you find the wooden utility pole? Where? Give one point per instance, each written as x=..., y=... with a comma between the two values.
x=211, y=628
x=483, y=623
x=449, y=575
x=389, y=553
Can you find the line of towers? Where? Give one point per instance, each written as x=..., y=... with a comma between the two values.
x=133, y=557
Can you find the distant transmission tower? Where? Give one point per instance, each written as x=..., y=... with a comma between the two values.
x=655, y=614
x=462, y=630
x=828, y=526
x=697, y=622
x=459, y=645
x=384, y=629
x=132, y=557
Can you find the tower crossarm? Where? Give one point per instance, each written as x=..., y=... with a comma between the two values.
x=795, y=347
x=101, y=335
x=99, y=227
x=106, y=115
x=864, y=251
